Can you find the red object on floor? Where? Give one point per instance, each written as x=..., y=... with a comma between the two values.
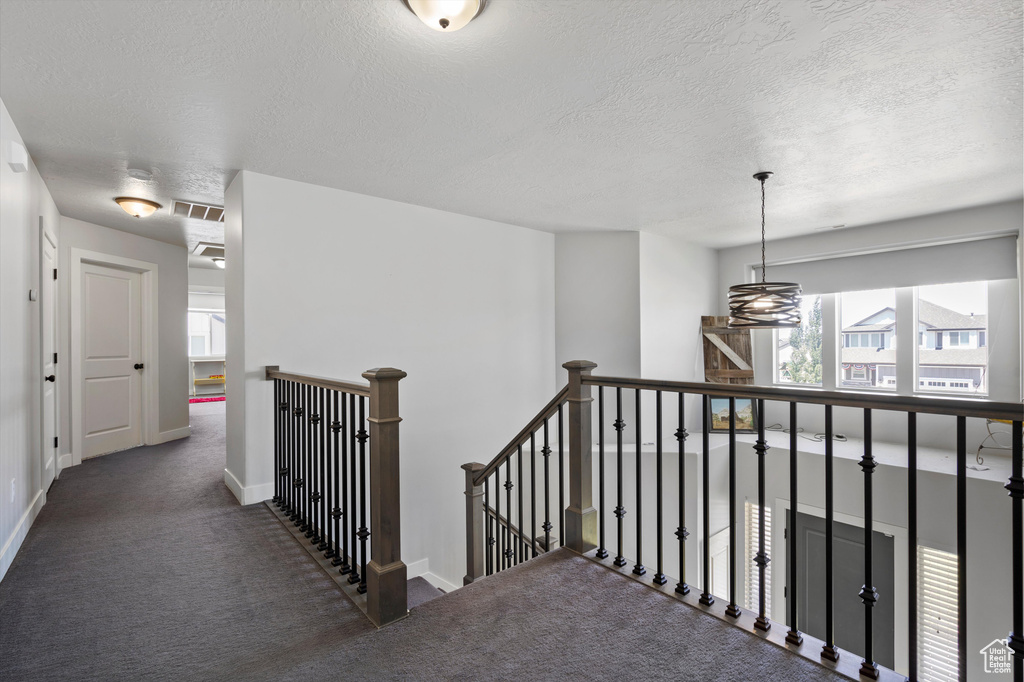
x=207, y=400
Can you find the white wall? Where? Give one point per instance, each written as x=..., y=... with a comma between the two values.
x=464, y=305
x=24, y=198
x=172, y=303
x=205, y=279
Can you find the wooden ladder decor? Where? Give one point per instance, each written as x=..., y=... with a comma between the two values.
x=727, y=353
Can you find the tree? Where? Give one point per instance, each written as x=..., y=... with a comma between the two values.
x=805, y=341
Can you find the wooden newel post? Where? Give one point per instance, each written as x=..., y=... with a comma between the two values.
x=580, y=515
x=474, y=524
x=386, y=598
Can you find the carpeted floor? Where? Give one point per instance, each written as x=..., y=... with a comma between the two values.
x=142, y=566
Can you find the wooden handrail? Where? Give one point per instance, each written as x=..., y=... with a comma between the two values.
x=546, y=413
x=960, y=407
x=321, y=382
x=534, y=543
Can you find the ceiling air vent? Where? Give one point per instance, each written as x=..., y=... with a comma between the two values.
x=187, y=209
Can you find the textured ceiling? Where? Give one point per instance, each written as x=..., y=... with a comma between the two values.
x=553, y=114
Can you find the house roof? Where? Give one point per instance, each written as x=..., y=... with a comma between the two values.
x=932, y=315
x=866, y=356
x=947, y=356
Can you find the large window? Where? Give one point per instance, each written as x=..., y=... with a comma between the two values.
x=205, y=333
x=867, y=358
x=798, y=351
x=952, y=325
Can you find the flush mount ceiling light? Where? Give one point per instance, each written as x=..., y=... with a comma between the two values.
x=140, y=208
x=219, y=262
x=445, y=15
x=766, y=305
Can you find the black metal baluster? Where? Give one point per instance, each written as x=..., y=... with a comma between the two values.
x=681, y=532
x=761, y=558
x=546, y=453
x=620, y=511
x=1015, y=487
x=533, y=494
x=706, y=598
x=293, y=471
x=284, y=471
x=912, y=541
x=521, y=545
x=303, y=426
x=346, y=557
x=509, y=539
x=732, y=610
x=961, y=544
x=277, y=444
x=324, y=473
x=868, y=593
x=490, y=525
x=638, y=568
x=296, y=429
x=561, y=481
x=659, y=576
x=793, y=636
x=353, y=511
x=602, y=553
x=310, y=476
x=364, y=532
x=315, y=489
x=828, y=649
x=337, y=547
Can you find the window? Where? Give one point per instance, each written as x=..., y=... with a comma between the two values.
x=868, y=356
x=798, y=351
x=753, y=575
x=958, y=361
x=936, y=615
x=205, y=333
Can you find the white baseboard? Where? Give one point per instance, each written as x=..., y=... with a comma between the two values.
x=421, y=569
x=173, y=434
x=64, y=461
x=13, y=543
x=248, y=495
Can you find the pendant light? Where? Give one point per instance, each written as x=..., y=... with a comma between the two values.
x=764, y=305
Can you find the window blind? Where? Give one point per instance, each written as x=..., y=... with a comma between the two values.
x=937, y=615
x=752, y=518
x=973, y=261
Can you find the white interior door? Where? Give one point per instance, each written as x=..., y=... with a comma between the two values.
x=111, y=353
x=48, y=326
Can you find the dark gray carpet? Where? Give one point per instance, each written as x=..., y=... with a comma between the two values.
x=420, y=592
x=142, y=566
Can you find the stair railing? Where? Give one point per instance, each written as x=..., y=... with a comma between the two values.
x=492, y=546
x=336, y=483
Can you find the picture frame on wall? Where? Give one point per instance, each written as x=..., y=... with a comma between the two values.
x=718, y=415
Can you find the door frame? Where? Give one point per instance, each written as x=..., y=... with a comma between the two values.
x=150, y=393
x=51, y=236
x=900, y=561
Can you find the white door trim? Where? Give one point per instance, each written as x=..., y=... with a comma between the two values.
x=150, y=347
x=44, y=446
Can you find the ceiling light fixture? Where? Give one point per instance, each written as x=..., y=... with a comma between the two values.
x=764, y=305
x=140, y=208
x=445, y=15
x=219, y=262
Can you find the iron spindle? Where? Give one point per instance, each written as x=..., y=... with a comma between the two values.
x=509, y=539
x=1015, y=487
x=561, y=481
x=828, y=650
x=638, y=568
x=533, y=495
x=336, y=510
x=307, y=482
x=961, y=545
x=681, y=532
x=364, y=532
x=324, y=473
x=310, y=476
x=659, y=575
x=296, y=423
x=620, y=511
x=706, y=598
x=347, y=561
x=521, y=545
x=353, y=480
x=277, y=444
x=761, y=558
x=732, y=610
x=489, y=525
x=285, y=470
x=546, y=452
x=912, y=541
x=793, y=636
x=293, y=468
x=499, y=561
x=868, y=593
x=315, y=494
x=602, y=553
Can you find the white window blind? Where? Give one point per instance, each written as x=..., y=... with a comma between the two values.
x=973, y=261
x=752, y=520
x=937, y=615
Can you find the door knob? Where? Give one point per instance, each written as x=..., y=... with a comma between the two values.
x=51, y=378
x=138, y=365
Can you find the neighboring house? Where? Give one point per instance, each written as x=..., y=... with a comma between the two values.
x=952, y=352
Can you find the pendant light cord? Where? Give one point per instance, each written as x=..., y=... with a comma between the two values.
x=764, y=267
